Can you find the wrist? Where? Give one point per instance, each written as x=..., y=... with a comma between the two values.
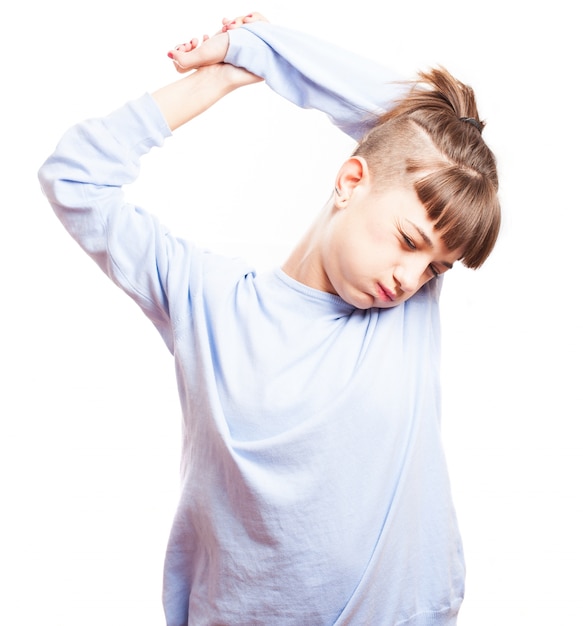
x=219, y=78
x=228, y=77
x=190, y=96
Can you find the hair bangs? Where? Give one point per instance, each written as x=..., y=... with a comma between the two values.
x=465, y=210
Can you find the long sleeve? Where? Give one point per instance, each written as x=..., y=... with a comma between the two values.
x=83, y=182
x=351, y=90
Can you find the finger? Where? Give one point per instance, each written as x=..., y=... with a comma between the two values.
x=254, y=17
x=196, y=42
x=186, y=56
x=238, y=21
x=229, y=26
x=176, y=57
x=180, y=56
x=186, y=47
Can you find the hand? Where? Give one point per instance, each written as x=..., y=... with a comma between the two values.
x=229, y=24
x=196, y=54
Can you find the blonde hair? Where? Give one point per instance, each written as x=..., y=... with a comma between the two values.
x=432, y=140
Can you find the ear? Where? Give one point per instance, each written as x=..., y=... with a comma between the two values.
x=352, y=173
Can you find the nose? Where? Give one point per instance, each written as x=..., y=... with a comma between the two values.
x=409, y=276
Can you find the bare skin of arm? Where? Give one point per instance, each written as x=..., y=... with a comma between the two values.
x=196, y=53
x=190, y=96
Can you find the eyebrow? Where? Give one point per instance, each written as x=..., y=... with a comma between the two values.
x=427, y=241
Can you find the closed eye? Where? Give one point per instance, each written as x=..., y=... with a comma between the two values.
x=408, y=242
x=434, y=271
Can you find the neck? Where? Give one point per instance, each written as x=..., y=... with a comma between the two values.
x=306, y=261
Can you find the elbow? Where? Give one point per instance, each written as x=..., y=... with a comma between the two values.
x=48, y=179
x=44, y=179
x=58, y=186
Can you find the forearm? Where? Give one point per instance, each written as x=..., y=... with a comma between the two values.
x=184, y=99
x=350, y=89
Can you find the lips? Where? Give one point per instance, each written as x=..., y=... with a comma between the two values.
x=386, y=294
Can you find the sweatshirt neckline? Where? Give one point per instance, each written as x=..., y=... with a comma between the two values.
x=329, y=299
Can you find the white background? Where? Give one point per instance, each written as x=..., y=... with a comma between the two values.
x=89, y=434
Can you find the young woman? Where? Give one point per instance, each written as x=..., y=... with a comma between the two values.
x=314, y=486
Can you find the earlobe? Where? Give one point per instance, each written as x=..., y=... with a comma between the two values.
x=352, y=173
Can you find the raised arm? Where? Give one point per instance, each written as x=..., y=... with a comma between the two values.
x=84, y=177
x=311, y=73
x=351, y=90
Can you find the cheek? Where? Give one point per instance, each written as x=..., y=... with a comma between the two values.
x=383, y=251
x=375, y=231
x=343, y=240
x=424, y=280
x=382, y=240
x=360, y=247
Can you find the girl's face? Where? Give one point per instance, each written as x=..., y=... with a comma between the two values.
x=379, y=248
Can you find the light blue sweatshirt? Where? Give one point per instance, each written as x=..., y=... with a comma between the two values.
x=314, y=486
